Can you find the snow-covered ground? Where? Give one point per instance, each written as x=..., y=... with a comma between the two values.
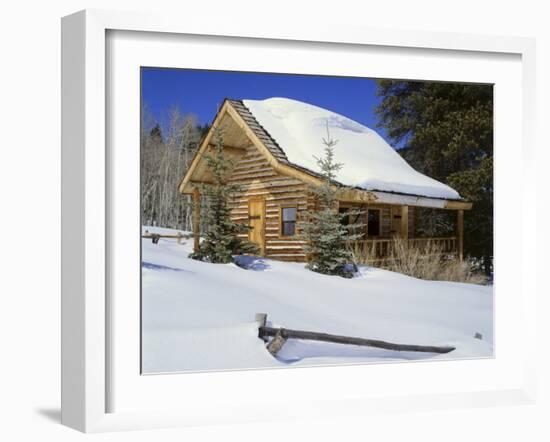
x=200, y=316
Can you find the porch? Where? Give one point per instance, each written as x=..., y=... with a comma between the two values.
x=387, y=228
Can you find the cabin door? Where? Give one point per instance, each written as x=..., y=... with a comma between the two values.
x=256, y=221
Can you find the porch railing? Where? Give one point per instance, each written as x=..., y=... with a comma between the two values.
x=381, y=248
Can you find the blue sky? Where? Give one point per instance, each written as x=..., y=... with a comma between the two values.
x=201, y=92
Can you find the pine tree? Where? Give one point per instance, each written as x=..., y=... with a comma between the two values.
x=445, y=130
x=325, y=236
x=220, y=241
x=476, y=185
x=156, y=133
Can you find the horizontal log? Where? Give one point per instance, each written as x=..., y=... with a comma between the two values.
x=292, y=197
x=252, y=166
x=276, y=204
x=294, y=255
x=271, y=189
x=267, y=173
x=264, y=181
x=287, y=256
x=338, y=339
x=269, y=184
x=252, y=171
x=243, y=180
x=241, y=202
x=285, y=199
x=251, y=157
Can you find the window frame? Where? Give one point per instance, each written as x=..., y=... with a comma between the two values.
x=281, y=221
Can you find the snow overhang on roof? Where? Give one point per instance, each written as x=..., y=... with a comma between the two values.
x=294, y=133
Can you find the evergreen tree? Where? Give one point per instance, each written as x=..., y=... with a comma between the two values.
x=156, y=133
x=445, y=130
x=476, y=185
x=220, y=241
x=325, y=235
x=203, y=129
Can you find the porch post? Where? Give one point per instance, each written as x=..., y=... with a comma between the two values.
x=196, y=218
x=405, y=222
x=460, y=233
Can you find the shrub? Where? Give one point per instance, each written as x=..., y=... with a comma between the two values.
x=427, y=261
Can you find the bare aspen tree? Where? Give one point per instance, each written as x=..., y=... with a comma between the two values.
x=165, y=158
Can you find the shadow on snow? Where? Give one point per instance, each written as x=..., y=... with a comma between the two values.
x=151, y=266
x=296, y=350
x=251, y=263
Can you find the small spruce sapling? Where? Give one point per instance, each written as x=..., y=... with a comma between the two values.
x=325, y=235
x=220, y=241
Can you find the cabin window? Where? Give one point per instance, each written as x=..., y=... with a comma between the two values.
x=288, y=221
x=373, y=222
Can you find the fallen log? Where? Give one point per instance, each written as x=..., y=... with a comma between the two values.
x=283, y=334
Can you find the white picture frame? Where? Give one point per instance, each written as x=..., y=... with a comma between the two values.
x=86, y=316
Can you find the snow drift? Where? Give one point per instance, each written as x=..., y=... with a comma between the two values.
x=369, y=162
x=200, y=316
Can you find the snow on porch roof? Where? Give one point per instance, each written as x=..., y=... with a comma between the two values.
x=296, y=129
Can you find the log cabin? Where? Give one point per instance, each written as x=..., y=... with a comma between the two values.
x=272, y=146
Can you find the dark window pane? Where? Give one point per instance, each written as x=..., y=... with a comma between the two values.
x=374, y=222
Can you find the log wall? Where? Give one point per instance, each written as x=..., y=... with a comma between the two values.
x=259, y=180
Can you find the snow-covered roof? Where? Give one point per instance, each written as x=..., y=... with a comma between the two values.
x=369, y=162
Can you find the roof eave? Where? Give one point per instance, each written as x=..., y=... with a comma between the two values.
x=359, y=194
